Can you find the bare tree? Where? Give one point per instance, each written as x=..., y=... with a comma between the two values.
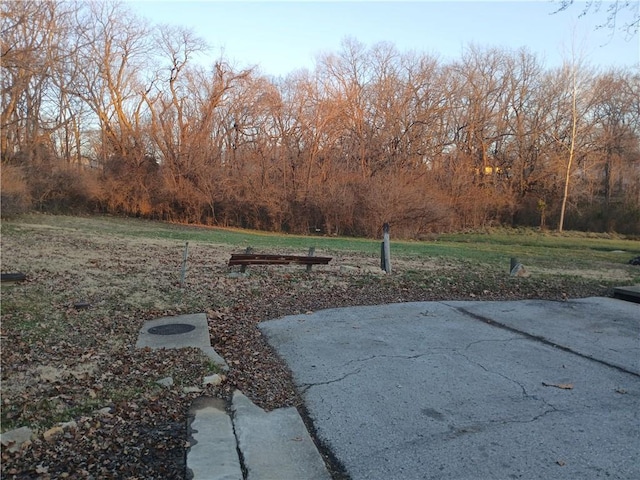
x=30, y=46
x=612, y=13
x=612, y=177
x=370, y=133
x=113, y=54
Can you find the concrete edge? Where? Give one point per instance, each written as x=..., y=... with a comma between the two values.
x=212, y=452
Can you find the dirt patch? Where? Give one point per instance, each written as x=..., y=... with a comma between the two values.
x=610, y=274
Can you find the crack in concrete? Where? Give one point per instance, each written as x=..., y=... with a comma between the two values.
x=550, y=408
x=541, y=339
x=512, y=339
x=243, y=465
x=304, y=387
x=525, y=394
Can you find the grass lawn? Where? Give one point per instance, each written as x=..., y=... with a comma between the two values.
x=63, y=364
x=569, y=251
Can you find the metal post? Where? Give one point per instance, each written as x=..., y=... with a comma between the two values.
x=387, y=249
x=514, y=262
x=184, y=264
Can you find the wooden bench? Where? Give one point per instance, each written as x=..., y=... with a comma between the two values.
x=248, y=258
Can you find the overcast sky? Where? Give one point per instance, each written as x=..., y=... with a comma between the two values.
x=281, y=37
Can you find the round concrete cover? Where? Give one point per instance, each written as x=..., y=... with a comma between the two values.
x=172, y=329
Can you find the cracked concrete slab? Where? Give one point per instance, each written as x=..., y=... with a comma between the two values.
x=213, y=451
x=275, y=445
x=251, y=443
x=608, y=328
x=428, y=390
x=196, y=335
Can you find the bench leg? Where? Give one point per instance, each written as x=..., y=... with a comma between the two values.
x=243, y=268
x=312, y=252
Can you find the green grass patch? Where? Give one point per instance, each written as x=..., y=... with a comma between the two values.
x=569, y=249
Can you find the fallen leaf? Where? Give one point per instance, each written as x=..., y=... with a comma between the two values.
x=621, y=391
x=561, y=463
x=563, y=386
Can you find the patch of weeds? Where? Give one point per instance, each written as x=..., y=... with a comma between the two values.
x=87, y=407
x=45, y=413
x=125, y=393
x=365, y=280
x=413, y=275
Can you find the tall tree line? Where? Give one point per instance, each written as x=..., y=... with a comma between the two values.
x=103, y=112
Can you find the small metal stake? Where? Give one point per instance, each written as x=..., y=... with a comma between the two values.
x=184, y=264
x=514, y=262
x=386, y=248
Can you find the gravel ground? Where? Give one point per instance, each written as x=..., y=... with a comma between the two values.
x=72, y=375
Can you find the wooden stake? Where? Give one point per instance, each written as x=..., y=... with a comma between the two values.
x=184, y=264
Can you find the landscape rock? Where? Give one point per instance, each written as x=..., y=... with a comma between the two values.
x=165, y=382
x=192, y=390
x=15, y=440
x=348, y=269
x=52, y=433
x=71, y=425
x=635, y=261
x=365, y=269
x=519, y=271
x=214, y=379
x=238, y=274
x=106, y=411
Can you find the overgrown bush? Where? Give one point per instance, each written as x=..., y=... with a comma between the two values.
x=65, y=189
x=15, y=197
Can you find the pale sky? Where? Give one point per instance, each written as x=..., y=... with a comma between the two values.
x=280, y=37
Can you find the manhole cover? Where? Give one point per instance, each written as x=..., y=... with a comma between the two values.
x=171, y=329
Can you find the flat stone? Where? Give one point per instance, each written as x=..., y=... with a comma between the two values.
x=214, y=379
x=348, y=269
x=165, y=382
x=238, y=274
x=213, y=454
x=276, y=444
x=106, y=411
x=53, y=433
x=70, y=425
x=13, y=440
x=192, y=390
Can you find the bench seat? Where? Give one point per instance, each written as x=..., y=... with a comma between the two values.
x=265, y=259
